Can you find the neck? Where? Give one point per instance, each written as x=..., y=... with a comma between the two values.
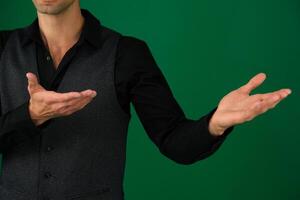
x=61, y=30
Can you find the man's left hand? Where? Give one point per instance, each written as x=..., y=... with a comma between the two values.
x=239, y=106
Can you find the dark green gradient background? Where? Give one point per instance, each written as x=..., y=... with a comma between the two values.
x=206, y=49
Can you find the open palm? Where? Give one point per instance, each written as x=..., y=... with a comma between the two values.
x=239, y=106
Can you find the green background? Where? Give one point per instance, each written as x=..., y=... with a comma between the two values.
x=206, y=49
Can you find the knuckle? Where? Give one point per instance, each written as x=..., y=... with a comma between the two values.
x=258, y=97
x=258, y=107
x=246, y=115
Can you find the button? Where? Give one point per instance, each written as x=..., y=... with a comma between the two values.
x=48, y=149
x=48, y=58
x=47, y=175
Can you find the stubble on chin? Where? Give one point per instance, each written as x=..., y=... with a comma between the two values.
x=52, y=9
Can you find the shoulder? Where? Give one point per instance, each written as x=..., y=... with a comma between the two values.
x=134, y=61
x=132, y=47
x=132, y=43
x=4, y=36
x=132, y=40
x=127, y=44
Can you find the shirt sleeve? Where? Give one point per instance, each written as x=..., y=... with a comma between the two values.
x=183, y=140
x=15, y=125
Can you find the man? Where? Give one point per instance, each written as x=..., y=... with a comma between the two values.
x=66, y=82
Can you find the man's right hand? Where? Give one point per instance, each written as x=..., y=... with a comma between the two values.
x=44, y=104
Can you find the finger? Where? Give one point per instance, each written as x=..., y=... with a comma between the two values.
x=84, y=102
x=33, y=83
x=60, y=107
x=77, y=106
x=89, y=92
x=257, y=107
x=279, y=100
x=32, y=79
x=253, y=83
x=69, y=96
x=276, y=97
x=253, y=99
x=74, y=102
x=282, y=93
x=259, y=104
x=275, y=103
x=57, y=97
x=263, y=106
x=285, y=92
x=270, y=100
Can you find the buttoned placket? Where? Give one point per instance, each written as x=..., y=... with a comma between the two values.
x=50, y=78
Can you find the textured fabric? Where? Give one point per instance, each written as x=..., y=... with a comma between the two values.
x=88, y=153
x=81, y=156
x=138, y=80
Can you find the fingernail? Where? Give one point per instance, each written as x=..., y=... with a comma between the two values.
x=284, y=95
x=289, y=91
x=94, y=94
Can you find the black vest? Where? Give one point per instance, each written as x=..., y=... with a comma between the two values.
x=88, y=157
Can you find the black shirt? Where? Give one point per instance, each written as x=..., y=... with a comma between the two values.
x=138, y=80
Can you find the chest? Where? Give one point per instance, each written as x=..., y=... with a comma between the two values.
x=55, y=55
x=85, y=69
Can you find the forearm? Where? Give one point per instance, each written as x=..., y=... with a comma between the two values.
x=191, y=140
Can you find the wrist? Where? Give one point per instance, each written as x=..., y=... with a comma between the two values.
x=35, y=119
x=214, y=128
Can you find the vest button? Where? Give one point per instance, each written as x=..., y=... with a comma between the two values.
x=48, y=58
x=49, y=148
x=47, y=175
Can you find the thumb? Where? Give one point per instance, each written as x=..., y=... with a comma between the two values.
x=33, y=84
x=253, y=83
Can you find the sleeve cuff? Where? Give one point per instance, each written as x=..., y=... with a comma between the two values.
x=21, y=118
x=214, y=141
x=213, y=138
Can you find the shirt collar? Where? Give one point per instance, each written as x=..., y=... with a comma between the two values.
x=91, y=31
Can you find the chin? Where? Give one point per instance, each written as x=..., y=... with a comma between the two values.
x=52, y=7
x=48, y=9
